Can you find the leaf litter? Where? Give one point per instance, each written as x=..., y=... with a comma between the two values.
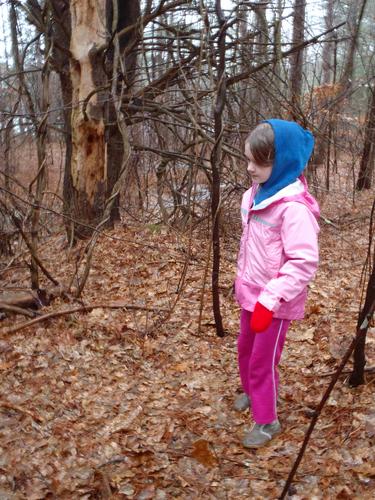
x=134, y=404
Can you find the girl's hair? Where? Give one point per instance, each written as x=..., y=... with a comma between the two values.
x=261, y=144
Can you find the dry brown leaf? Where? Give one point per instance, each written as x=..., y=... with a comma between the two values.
x=203, y=454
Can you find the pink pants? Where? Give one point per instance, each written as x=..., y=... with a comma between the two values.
x=258, y=357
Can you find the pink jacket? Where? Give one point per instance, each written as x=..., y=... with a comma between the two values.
x=279, y=253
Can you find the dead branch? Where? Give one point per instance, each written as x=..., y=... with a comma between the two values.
x=18, y=310
x=31, y=247
x=87, y=308
x=10, y=406
x=370, y=369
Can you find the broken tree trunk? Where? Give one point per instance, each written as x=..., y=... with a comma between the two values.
x=88, y=172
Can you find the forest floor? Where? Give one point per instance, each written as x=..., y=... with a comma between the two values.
x=135, y=403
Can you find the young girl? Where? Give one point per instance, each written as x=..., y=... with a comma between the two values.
x=278, y=257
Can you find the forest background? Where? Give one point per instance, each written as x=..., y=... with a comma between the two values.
x=121, y=173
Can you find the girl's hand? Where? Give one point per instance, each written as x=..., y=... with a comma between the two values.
x=261, y=318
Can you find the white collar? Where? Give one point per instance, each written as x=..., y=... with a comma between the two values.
x=293, y=189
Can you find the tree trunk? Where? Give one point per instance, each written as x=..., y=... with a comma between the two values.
x=216, y=159
x=357, y=377
x=61, y=34
x=277, y=67
x=126, y=13
x=260, y=55
x=354, y=20
x=39, y=132
x=244, y=56
x=296, y=60
x=368, y=155
x=88, y=164
x=328, y=46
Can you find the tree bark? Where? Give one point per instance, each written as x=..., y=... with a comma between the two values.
x=368, y=155
x=277, y=52
x=260, y=55
x=119, y=15
x=357, y=377
x=216, y=158
x=354, y=20
x=39, y=132
x=88, y=163
x=296, y=60
x=328, y=46
x=61, y=34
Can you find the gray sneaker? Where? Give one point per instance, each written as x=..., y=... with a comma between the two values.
x=242, y=402
x=261, y=434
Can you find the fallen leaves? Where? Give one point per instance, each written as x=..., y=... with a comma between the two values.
x=94, y=406
x=203, y=454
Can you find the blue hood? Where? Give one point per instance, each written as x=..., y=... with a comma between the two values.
x=293, y=148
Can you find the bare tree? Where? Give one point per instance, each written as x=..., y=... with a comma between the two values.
x=88, y=163
x=121, y=58
x=329, y=45
x=216, y=159
x=354, y=21
x=367, y=312
x=39, y=131
x=333, y=103
x=296, y=59
x=366, y=168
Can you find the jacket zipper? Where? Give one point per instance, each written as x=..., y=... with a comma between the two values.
x=245, y=243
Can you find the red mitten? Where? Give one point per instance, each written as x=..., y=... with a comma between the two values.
x=261, y=318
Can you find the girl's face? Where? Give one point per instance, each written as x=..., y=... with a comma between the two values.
x=258, y=173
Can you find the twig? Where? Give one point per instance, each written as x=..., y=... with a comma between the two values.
x=17, y=310
x=246, y=74
x=73, y=220
x=159, y=322
x=370, y=369
x=32, y=251
x=80, y=309
x=9, y=406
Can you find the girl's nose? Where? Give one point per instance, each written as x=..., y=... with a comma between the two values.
x=250, y=167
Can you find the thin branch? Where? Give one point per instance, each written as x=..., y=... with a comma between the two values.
x=72, y=219
x=242, y=76
x=11, y=406
x=18, y=310
x=86, y=308
x=33, y=251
